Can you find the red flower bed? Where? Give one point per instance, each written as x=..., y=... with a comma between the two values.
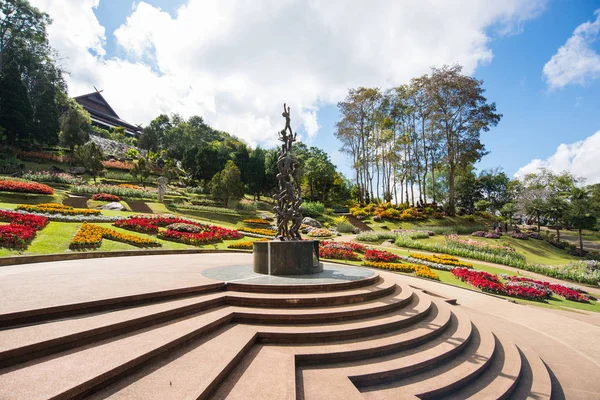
x=381, y=255
x=338, y=254
x=21, y=230
x=150, y=225
x=105, y=197
x=491, y=283
x=112, y=164
x=558, y=289
x=25, y=187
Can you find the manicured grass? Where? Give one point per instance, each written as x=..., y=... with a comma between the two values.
x=54, y=238
x=14, y=199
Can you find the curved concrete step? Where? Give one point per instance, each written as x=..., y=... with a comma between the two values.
x=312, y=288
x=289, y=300
x=417, y=309
x=406, y=363
x=499, y=378
x=34, y=341
x=534, y=381
x=401, y=296
x=185, y=374
x=422, y=331
x=445, y=377
x=78, y=373
x=16, y=318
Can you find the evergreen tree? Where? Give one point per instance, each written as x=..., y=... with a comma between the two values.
x=227, y=184
x=16, y=114
x=46, y=117
x=90, y=157
x=74, y=125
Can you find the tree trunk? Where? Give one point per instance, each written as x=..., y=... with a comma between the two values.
x=580, y=242
x=558, y=234
x=538, y=221
x=451, y=207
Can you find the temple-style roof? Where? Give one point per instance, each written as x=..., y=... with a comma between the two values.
x=102, y=113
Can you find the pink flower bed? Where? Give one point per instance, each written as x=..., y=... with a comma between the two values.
x=558, y=289
x=351, y=246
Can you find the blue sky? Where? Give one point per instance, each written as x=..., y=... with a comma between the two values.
x=234, y=62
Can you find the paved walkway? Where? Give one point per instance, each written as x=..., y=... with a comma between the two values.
x=568, y=342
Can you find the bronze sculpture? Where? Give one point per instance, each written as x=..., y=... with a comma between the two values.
x=289, y=203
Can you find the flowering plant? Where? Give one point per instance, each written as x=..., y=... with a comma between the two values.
x=21, y=229
x=443, y=259
x=319, y=232
x=338, y=254
x=381, y=255
x=90, y=236
x=350, y=246
x=258, y=231
x=112, y=164
x=106, y=197
x=55, y=208
x=246, y=245
x=256, y=221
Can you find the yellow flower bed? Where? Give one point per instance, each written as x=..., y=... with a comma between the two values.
x=130, y=186
x=390, y=266
x=426, y=272
x=90, y=236
x=258, y=231
x=247, y=245
x=442, y=259
x=419, y=270
x=55, y=208
x=256, y=221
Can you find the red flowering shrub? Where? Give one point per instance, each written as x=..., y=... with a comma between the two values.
x=21, y=230
x=381, y=255
x=9, y=185
x=480, y=279
x=105, y=197
x=338, y=254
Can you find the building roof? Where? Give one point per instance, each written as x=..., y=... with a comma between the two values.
x=102, y=113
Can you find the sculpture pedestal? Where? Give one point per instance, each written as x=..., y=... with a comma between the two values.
x=291, y=257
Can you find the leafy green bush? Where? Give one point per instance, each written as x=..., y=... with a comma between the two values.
x=376, y=236
x=313, y=209
x=118, y=176
x=345, y=227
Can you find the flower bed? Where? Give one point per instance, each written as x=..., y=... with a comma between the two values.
x=47, y=176
x=491, y=283
x=319, y=232
x=21, y=229
x=106, y=197
x=43, y=156
x=258, y=231
x=214, y=235
x=350, y=246
x=9, y=185
x=54, y=208
x=256, y=221
x=469, y=244
x=90, y=236
x=246, y=245
x=443, y=259
x=112, y=164
x=122, y=192
x=561, y=290
x=419, y=270
x=381, y=255
x=338, y=254
x=185, y=227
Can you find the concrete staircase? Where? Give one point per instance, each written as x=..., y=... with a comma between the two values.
x=375, y=338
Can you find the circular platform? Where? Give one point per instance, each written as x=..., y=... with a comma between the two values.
x=332, y=273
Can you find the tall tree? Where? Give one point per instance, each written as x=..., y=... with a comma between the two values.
x=74, y=125
x=460, y=112
x=90, y=157
x=256, y=173
x=148, y=140
x=227, y=184
x=579, y=213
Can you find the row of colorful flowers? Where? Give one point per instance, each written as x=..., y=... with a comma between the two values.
x=470, y=244
x=245, y=245
x=56, y=177
x=258, y=231
x=256, y=221
x=350, y=246
x=319, y=232
x=9, y=185
x=55, y=208
x=21, y=229
x=516, y=286
x=419, y=270
x=443, y=259
x=90, y=236
x=43, y=155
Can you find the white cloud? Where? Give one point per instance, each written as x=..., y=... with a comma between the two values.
x=235, y=63
x=575, y=61
x=579, y=158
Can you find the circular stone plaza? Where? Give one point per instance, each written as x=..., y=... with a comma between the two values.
x=200, y=326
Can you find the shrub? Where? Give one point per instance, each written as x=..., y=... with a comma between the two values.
x=10, y=185
x=342, y=225
x=376, y=236
x=313, y=209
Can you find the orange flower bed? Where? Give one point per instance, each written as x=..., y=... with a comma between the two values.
x=55, y=208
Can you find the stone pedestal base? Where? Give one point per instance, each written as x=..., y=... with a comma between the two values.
x=294, y=257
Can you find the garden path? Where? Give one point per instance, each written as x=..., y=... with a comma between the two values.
x=139, y=206
x=76, y=201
